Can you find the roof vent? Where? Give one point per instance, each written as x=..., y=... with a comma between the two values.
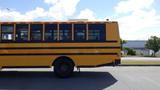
x=107, y=19
x=78, y=20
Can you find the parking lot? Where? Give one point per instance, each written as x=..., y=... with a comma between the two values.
x=107, y=78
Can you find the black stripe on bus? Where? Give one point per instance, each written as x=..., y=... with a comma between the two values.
x=61, y=48
x=37, y=54
x=107, y=41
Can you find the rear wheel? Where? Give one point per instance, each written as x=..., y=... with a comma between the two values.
x=63, y=67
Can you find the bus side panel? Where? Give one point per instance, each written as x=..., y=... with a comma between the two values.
x=79, y=60
x=28, y=60
x=39, y=57
x=93, y=60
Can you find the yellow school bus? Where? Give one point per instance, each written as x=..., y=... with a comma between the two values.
x=62, y=44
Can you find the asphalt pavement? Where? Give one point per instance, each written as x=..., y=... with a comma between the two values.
x=102, y=78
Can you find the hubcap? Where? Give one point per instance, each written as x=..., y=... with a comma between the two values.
x=64, y=67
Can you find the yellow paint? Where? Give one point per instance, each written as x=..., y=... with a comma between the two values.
x=79, y=60
x=59, y=51
x=112, y=33
x=0, y=32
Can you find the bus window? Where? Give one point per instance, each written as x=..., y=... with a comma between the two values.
x=21, y=32
x=36, y=32
x=96, y=32
x=50, y=32
x=79, y=32
x=7, y=32
x=65, y=32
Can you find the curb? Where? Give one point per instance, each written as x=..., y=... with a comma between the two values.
x=138, y=65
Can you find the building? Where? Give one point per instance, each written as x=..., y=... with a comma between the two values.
x=139, y=47
x=158, y=54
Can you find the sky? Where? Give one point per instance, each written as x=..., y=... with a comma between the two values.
x=138, y=19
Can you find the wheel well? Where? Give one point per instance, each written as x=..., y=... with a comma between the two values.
x=63, y=57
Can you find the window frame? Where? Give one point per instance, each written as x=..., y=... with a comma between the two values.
x=102, y=32
x=58, y=24
x=0, y=33
x=64, y=31
x=6, y=24
x=54, y=28
x=18, y=40
x=31, y=32
x=85, y=32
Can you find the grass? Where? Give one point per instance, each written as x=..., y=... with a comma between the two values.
x=138, y=62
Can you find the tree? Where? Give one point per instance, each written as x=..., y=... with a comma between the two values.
x=123, y=42
x=130, y=51
x=153, y=43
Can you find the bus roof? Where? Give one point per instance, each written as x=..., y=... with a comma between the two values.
x=69, y=21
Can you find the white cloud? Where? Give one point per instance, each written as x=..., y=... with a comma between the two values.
x=86, y=14
x=38, y=12
x=58, y=10
x=125, y=6
x=137, y=19
x=62, y=8
x=51, y=1
x=7, y=15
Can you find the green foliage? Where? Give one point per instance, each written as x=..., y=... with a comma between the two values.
x=123, y=42
x=153, y=43
x=130, y=51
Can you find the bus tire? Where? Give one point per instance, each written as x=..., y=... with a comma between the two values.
x=63, y=67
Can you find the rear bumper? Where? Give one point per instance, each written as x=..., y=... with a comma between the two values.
x=117, y=61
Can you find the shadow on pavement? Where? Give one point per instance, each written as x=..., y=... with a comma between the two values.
x=47, y=80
